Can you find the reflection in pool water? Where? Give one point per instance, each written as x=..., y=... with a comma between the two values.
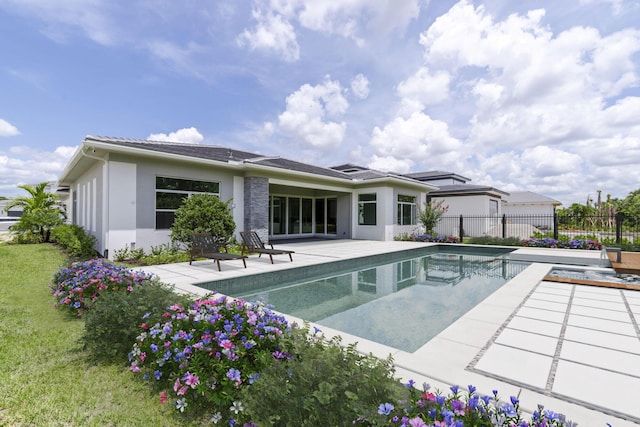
x=402, y=304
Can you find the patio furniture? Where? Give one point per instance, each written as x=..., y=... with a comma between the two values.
x=253, y=243
x=204, y=245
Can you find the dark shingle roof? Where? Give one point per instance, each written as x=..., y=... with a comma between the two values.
x=432, y=175
x=465, y=189
x=221, y=154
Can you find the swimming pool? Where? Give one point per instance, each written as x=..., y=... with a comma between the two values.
x=402, y=304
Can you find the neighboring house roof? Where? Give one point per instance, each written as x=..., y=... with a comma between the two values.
x=95, y=147
x=529, y=197
x=436, y=175
x=467, y=189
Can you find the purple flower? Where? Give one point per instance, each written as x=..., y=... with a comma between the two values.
x=385, y=408
x=233, y=374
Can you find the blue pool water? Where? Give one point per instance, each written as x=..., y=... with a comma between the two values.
x=402, y=304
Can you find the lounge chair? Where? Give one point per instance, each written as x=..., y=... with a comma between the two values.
x=253, y=243
x=204, y=245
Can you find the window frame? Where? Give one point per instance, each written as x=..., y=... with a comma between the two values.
x=181, y=191
x=406, y=204
x=365, y=203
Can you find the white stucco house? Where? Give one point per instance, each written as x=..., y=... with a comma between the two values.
x=480, y=205
x=125, y=192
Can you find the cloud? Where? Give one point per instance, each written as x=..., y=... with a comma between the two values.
x=273, y=32
x=360, y=86
x=7, y=129
x=25, y=165
x=418, y=141
x=309, y=111
x=63, y=18
x=185, y=135
x=423, y=88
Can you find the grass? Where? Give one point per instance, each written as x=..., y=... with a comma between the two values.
x=46, y=378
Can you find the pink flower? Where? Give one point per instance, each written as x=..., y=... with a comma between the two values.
x=226, y=344
x=417, y=422
x=191, y=379
x=163, y=397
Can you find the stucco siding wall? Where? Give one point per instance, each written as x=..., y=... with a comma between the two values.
x=144, y=183
x=88, y=210
x=527, y=209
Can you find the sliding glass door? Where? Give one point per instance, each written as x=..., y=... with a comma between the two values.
x=293, y=216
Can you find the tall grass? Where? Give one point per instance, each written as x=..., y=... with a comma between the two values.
x=46, y=378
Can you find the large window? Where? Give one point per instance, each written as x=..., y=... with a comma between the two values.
x=170, y=192
x=367, y=209
x=406, y=210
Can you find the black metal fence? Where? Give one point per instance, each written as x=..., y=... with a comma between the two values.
x=619, y=230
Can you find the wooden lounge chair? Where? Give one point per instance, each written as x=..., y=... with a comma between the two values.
x=253, y=243
x=204, y=245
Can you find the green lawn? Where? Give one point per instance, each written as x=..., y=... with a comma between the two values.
x=46, y=378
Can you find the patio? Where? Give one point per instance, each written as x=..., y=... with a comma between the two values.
x=575, y=349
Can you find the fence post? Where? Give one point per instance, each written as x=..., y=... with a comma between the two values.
x=504, y=226
x=555, y=225
x=461, y=229
x=619, y=219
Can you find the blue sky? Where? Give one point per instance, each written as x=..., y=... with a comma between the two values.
x=521, y=95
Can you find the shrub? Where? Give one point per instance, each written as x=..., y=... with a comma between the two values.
x=426, y=409
x=431, y=214
x=203, y=213
x=320, y=383
x=126, y=254
x=113, y=323
x=570, y=244
x=74, y=240
x=202, y=355
x=26, y=238
x=423, y=237
x=79, y=285
x=492, y=240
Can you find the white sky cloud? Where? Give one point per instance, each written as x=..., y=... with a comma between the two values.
x=272, y=32
x=309, y=113
x=360, y=86
x=7, y=129
x=185, y=135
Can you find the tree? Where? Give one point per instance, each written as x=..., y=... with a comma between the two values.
x=41, y=211
x=630, y=205
x=431, y=214
x=203, y=213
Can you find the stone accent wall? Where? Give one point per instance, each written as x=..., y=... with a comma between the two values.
x=256, y=206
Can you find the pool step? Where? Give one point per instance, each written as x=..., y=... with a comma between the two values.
x=629, y=262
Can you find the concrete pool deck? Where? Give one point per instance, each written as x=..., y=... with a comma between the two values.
x=575, y=349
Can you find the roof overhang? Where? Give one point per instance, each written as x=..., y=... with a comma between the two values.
x=92, y=150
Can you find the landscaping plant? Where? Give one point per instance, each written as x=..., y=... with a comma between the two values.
x=203, y=213
x=201, y=355
x=430, y=214
x=75, y=241
x=79, y=285
x=427, y=409
x=320, y=383
x=113, y=323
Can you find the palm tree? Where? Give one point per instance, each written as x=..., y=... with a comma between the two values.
x=41, y=211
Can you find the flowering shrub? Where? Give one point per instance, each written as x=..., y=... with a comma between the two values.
x=547, y=242
x=202, y=355
x=79, y=285
x=433, y=238
x=426, y=409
